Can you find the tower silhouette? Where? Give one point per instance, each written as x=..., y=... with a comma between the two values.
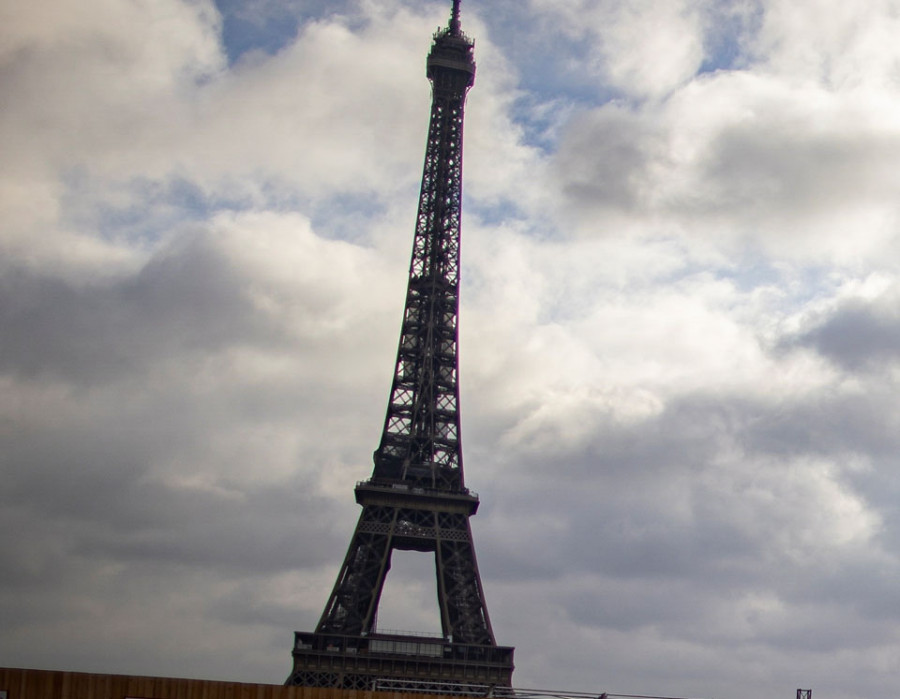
x=416, y=498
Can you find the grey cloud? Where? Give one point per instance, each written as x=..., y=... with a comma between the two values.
x=703, y=498
x=605, y=159
x=180, y=442
x=95, y=493
x=740, y=148
x=778, y=162
x=629, y=502
x=858, y=335
x=186, y=299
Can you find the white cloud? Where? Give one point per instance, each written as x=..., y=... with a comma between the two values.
x=644, y=48
x=739, y=159
x=846, y=47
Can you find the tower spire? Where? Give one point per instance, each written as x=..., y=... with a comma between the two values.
x=454, y=19
x=416, y=498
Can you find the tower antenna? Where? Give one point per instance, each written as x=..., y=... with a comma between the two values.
x=454, y=18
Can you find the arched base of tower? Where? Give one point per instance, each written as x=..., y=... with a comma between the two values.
x=399, y=663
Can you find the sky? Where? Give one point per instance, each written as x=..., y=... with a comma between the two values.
x=680, y=335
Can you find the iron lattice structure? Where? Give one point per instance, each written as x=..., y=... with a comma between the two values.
x=416, y=498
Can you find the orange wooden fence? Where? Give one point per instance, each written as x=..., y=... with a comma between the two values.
x=49, y=684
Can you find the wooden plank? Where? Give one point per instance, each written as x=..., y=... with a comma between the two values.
x=50, y=684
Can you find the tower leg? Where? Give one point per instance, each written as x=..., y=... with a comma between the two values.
x=353, y=603
x=348, y=651
x=463, y=609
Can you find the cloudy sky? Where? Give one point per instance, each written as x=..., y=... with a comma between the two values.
x=680, y=332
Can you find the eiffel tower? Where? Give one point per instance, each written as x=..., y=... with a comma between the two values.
x=416, y=498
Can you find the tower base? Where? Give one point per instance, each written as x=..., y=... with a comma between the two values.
x=409, y=663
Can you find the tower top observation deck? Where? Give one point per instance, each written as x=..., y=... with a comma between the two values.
x=452, y=50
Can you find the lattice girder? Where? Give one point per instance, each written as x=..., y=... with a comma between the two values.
x=420, y=442
x=385, y=525
x=416, y=498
